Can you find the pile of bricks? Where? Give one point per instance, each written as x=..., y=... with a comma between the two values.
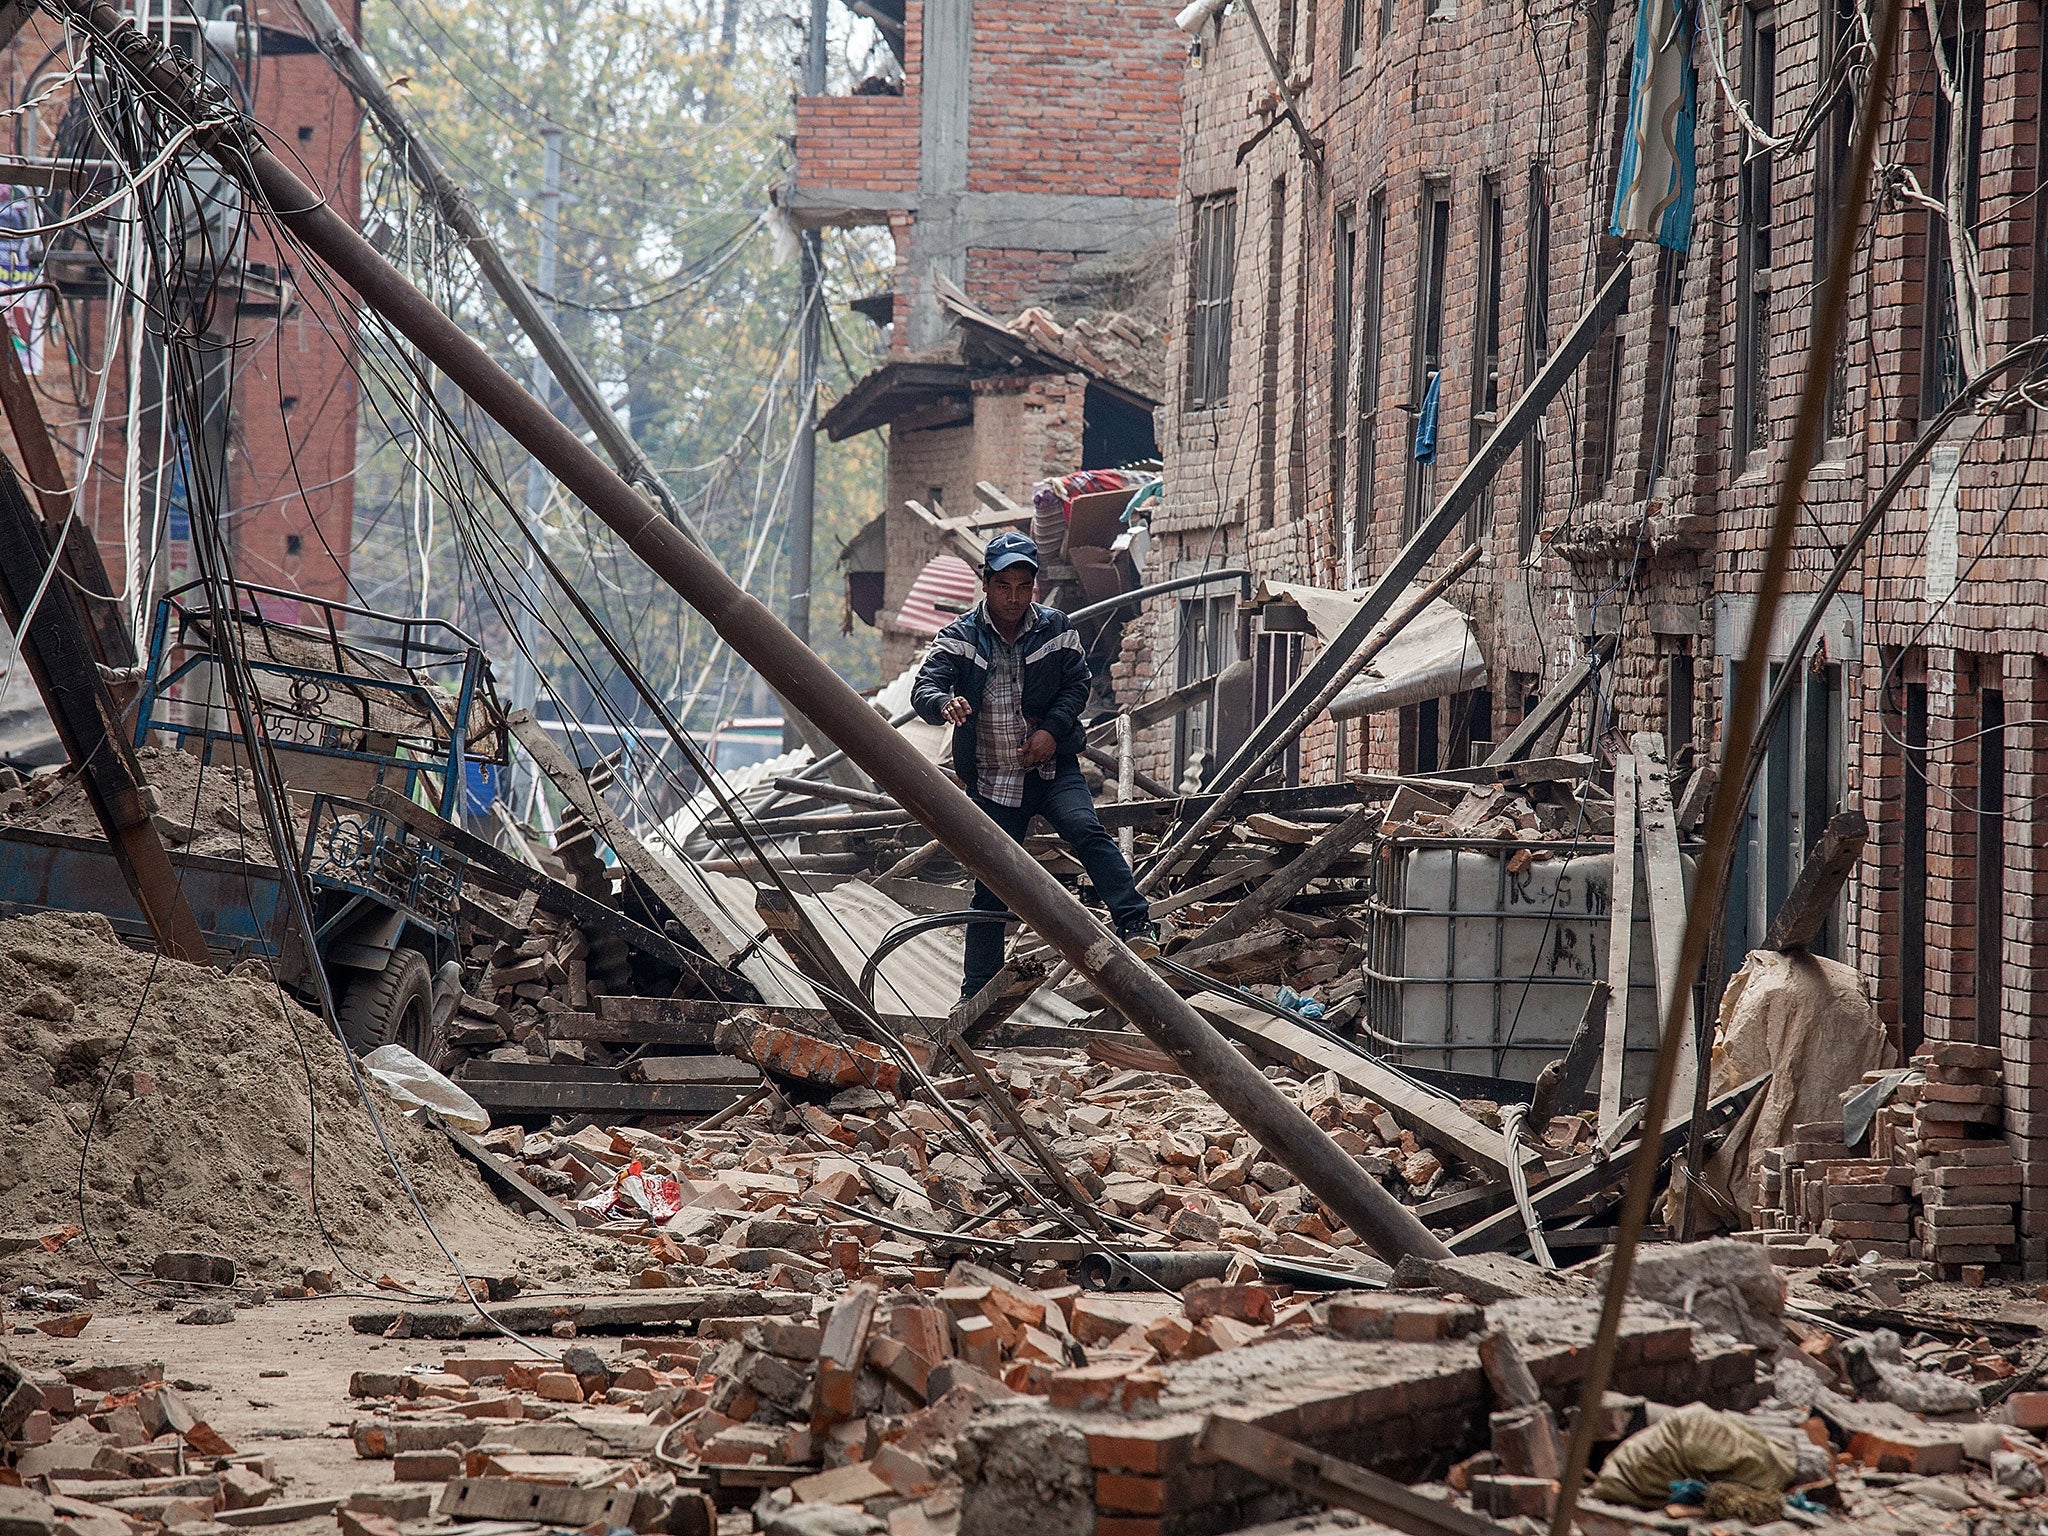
x=1813, y=1185
x=1964, y=1173
x=1940, y=1183
x=512, y=989
x=861, y=1186
x=115, y=1450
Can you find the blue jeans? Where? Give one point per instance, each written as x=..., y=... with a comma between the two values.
x=1064, y=801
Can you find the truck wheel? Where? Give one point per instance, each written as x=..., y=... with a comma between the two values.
x=394, y=1006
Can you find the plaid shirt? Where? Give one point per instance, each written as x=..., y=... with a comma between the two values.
x=999, y=765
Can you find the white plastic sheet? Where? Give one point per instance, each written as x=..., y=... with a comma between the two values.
x=418, y=1086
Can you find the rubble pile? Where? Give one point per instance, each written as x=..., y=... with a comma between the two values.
x=202, y=808
x=869, y=1181
x=205, y=1096
x=980, y=1402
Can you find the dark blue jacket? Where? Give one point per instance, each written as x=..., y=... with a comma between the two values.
x=1056, y=679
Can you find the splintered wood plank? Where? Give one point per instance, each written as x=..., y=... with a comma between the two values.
x=1664, y=874
x=1312, y=863
x=1621, y=931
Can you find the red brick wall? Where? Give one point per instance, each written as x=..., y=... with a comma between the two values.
x=857, y=144
x=1075, y=96
x=290, y=470
x=1482, y=94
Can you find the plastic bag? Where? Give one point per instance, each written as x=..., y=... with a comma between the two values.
x=1696, y=1442
x=418, y=1086
x=637, y=1193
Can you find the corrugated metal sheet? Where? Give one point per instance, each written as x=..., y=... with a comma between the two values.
x=946, y=578
x=921, y=978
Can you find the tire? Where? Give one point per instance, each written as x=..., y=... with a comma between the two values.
x=394, y=1006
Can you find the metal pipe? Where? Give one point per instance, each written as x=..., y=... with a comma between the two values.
x=747, y=624
x=1160, y=589
x=423, y=164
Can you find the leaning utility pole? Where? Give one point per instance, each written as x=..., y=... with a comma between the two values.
x=1275, y=1121
x=423, y=165
x=803, y=498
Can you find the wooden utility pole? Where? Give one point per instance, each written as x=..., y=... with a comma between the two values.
x=57, y=646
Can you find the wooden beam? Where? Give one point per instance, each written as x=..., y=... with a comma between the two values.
x=504, y=1175
x=57, y=647
x=1342, y=1484
x=106, y=627
x=556, y=1092
x=1407, y=566
x=1811, y=901
x=957, y=540
x=1561, y=1086
x=501, y=871
x=1007, y=991
x=1564, y=768
x=1108, y=762
x=1168, y=705
x=791, y=927
x=1551, y=707
x=1241, y=873
x=562, y=772
x=1436, y=1120
x=1311, y=863
x=1621, y=929
x=1664, y=874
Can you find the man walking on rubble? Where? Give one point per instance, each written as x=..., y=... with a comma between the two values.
x=1010, y=677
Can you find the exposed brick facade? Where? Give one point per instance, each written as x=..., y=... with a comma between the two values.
x=1047, y=133
x=292, y=432
x=1650, y=519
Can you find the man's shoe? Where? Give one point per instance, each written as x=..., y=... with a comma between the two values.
x=1141, y=939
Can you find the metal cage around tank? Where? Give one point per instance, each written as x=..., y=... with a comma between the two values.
x=1482, y=963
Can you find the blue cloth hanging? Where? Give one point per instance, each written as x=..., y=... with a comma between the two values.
x=1425, y=419
x=1653, y=196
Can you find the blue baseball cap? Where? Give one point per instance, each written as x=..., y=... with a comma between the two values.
x=1006, y=550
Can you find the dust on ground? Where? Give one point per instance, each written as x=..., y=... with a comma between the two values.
x=205, y=808
x=205, y=1135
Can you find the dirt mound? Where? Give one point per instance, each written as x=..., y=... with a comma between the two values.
x=206, y=808
x=206, y=1137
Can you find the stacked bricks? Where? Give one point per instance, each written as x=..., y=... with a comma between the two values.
x=1963, y=1170
x=1813, y=1185
x=1867, y=1203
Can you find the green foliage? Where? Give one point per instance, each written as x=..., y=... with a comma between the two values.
x=672, y=289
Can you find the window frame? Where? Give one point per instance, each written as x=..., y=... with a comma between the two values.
x=1756, y=192
x=1535, y=347
x=1212, y=292
x=1426, y=341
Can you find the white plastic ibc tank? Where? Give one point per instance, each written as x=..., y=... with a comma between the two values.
x=1497, y=966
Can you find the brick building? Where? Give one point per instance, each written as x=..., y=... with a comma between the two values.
x=279, y=435
x=1455, y=231
x=1027, y=154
